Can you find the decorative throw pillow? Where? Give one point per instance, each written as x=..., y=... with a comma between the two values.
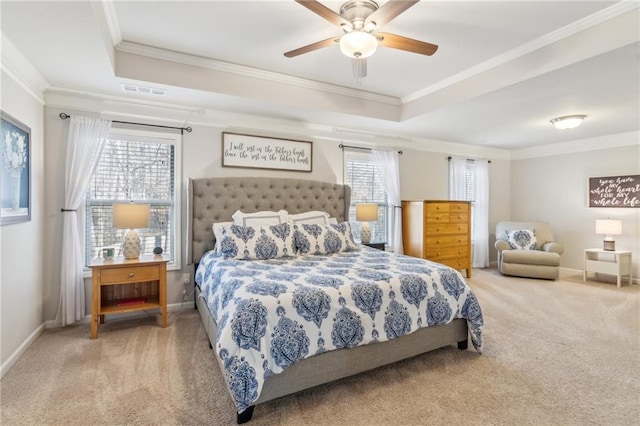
x=522, y=239
x=310, y=218
x=263, y=218
x=217, y=233
x=264, y=242
x=318, y=239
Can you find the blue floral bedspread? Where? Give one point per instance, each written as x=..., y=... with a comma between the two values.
x=273, y=313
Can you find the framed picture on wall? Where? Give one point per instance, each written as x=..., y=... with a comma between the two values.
x=15, y=171
x=259, y=152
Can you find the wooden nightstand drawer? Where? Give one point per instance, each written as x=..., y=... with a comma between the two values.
x=130, y=274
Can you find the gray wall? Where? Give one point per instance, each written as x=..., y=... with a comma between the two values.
x=21, y=253
x=555, y=189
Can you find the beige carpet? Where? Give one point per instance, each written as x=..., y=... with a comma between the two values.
x=556, y=353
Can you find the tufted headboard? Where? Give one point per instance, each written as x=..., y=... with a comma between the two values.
x=213, y=200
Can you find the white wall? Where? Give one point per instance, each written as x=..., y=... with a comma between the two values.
x=554, y=189
x=21, y=244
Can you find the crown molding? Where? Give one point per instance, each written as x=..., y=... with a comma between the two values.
x=15, y=65
x=543, y=41
x=578, y=145
x=111, y=18
x=227, y=67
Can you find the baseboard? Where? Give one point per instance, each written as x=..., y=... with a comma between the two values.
x=6, y=366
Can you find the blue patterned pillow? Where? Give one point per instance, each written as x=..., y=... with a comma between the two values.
x=264, y=242
x=317, y=239
x=522, y=239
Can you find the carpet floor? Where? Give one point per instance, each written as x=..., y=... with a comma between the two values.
x=556, y=353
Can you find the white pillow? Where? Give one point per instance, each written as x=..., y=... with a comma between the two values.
x=217, y=233
x=257, y=219
x=315, y=217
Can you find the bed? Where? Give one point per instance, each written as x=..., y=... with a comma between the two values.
x=213, y=200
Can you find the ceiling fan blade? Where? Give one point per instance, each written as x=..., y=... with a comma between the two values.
x=388, y=11
x=324, y=12
x=311, y=47
x=359, y=67
x=406, y=43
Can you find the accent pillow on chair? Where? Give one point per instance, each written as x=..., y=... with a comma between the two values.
x=522, y=239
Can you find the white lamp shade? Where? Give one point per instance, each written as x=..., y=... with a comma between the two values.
x=130, y=216
x=358, y=44
x=366, y=212
x=608, y=227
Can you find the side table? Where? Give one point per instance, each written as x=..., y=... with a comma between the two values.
x=121, y=286
x=615, y=262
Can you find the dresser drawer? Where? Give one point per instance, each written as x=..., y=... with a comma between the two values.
x=130, y=274
x=440, y=253
x=461, y=217
x=438, y=241
x=446, y=228
x=434, y=209
x=461, y=263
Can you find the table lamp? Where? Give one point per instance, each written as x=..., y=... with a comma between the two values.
x=131, y=216
x=609, y=228
x=366, y=212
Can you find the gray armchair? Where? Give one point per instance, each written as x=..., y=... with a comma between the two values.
x=541, y=262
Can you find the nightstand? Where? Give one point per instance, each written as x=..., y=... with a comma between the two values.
x=613, y=262
x=121, y=286
x=379, y=246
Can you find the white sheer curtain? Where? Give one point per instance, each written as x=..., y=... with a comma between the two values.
x=86, y=140
x=457, y=178
x=388, y=168
x=481, y=215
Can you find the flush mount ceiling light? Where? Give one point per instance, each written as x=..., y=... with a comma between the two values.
x=567, y=122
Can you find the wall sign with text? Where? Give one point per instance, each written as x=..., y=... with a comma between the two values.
x=614, y=191
x=259, y=152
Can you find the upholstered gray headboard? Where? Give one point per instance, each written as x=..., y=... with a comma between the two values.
x=216, y=199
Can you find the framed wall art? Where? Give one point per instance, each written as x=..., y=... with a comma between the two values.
x=15, y=171
x=615, y=191
x=257, y=152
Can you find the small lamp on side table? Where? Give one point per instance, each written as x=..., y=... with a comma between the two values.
x=609, y=228
x=131, y=216
x=366, y=212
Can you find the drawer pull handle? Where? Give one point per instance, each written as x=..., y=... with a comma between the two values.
x=131, y=274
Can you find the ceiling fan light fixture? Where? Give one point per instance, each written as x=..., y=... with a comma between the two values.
x=358, y=44
x=568, y=121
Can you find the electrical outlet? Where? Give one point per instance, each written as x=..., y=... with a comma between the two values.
x=186, y=278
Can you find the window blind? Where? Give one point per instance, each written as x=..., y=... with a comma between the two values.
x=139, y=171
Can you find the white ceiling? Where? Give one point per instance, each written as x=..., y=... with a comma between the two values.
x=502, y=71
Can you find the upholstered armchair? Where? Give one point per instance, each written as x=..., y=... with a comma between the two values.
x=527, y=249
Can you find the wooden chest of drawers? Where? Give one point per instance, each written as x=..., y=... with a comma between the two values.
x=439, y=231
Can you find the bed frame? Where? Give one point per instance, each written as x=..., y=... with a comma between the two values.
x=216, y=199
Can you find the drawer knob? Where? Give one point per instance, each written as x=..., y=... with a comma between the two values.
x=131, y=274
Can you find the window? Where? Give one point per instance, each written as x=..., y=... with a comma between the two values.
x=138, y=166
x=361, y=176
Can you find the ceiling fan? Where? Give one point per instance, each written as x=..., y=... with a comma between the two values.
x=359, y=19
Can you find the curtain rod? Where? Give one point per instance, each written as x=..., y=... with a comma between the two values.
x=358, y=147
x=64, y=116
x=468, y=159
